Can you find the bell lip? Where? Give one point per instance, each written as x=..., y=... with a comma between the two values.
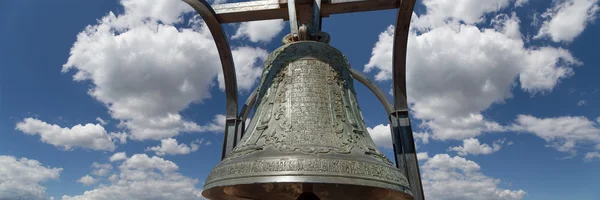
x=215, y=189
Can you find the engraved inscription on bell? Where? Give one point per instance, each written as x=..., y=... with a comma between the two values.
x=309, y=96
x=307, y=133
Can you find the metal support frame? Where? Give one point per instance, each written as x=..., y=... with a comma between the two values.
x=402, y=126
x=233, y=122
x=278, y=9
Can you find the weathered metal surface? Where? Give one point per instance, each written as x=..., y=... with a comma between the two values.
x=307, y=132
x=210, y=18
x=402, y=127
x=278, y=9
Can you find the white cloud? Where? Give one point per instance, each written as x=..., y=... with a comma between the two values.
x=87, y=180
x=454, y=178
x=118, y=156
x=89, y=136
x=101, y=169
x=439, y=12
x=248, y=67
x=456, y=71
x=151, y=70
x=590, y=156
x=170, y=146
x=562, y=133
x=259, y=31
x=473, y=147
x=143, y=177
x=382, y=137
x=581, y=103
x=120, y=136
x=567, y=19
x=520, y=3
x=101, y=121
x=422, y=138
x=421, y=156
x=22, y=178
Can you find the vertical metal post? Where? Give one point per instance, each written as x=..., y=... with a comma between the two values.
x=293, y=18
x=316, y=20
x=401, y=32
x=411, y=164
x=230, y=137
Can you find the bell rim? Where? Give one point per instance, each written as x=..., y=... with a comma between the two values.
x=214, y=190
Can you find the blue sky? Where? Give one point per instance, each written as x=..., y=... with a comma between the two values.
x=504, y=95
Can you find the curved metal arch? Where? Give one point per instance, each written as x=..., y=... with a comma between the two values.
x=245, y=111
x=232, y=122
x=401, y=120
x=362, y=78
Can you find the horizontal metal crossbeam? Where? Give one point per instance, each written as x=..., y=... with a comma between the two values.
x=277, y=9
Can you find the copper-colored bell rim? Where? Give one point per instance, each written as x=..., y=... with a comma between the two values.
x=291, y=191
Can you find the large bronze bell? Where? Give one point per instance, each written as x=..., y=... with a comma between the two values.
x=307, y=136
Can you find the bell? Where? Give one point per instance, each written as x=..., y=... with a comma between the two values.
x=307, y=139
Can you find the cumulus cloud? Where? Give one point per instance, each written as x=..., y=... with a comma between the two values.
x=143, y=177
x=581, y=103
x=590, y=156
x=519, y=3
x=248, y=67
x=473, y=147
x=101, y=169
x=382, y=137
x=259, y=31
x=170, y=146
x=453, y=178
x=439, y=12
x=88, y=136
x=150, y=70
x=562, y=133
x=22, y=178
x=458, y=70
x=118, y=156
x=87, y=180
x=421, y=156
x=567, y=19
